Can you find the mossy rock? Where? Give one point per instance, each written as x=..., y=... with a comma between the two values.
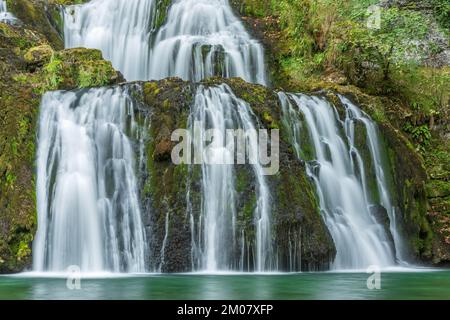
x=80, y=68
x=39, y=55
x=166, y=105
x=33, y=13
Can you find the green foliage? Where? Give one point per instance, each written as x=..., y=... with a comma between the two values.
x=441, y=10
x=326, y=41
x=161, y=12
x=366, y=53
x=52, y=71
x=420, y=134
x=10, y=179
x=23, y=250
x=427, y=90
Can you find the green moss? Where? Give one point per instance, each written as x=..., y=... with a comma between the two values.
x=248, y=211
x=34, y=15
x=52, y=73
x=242, y=180
x=362, y=145
x=161, y=12
x=72, y=68
x=39, y=54
x=23, y=251
x=151, y=90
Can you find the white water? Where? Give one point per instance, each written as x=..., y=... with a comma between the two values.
x=6, y=16
x=91, y=218
x=202, y=38
x=199, y=39
x=338, y=171
x=353, y=114
x=121, y=29
x=88, y=206
x=164, y=243
x=218, y=108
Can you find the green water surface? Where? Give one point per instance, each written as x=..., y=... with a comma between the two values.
x=394, y=285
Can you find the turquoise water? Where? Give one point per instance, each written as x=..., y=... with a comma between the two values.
x=394, y=285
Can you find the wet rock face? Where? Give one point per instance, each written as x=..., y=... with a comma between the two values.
x=380, y=214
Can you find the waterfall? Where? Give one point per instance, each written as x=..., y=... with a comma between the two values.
x=6, y=16
x=121, y=29
x=199, y=39
x=218, y=108
x=354, y=114
x=145, y=39
x=203, y=38
x=353, y=189
x=87, y=189
x=88, y=203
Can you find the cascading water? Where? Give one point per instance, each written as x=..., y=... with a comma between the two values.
x=200, y=38
x=89, y=213
x=6, y=16
x=218, y=108
x=121, y=29
x=203, y=38
x=350, y=191
x=354, y=115
x=88, y=204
